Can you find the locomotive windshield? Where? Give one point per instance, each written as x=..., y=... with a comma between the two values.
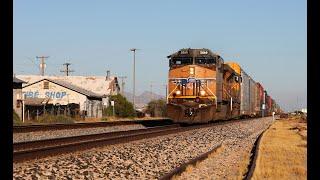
x=205, y=60
x=181, y=61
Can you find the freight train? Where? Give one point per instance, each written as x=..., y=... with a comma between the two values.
x=202, y=88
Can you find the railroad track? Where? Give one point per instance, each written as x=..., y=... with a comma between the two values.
x=41, y=148
x=28, y=150
x=51, y=127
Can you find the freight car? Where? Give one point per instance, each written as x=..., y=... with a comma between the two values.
x=248, y=92
x=260, y=99
x=203, y=88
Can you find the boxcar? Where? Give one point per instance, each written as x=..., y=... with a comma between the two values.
x=248, y=95
x=268, y=105
x=260, y=98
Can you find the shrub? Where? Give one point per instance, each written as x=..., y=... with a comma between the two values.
x=48, y=118
x=104, y=119
x=157, y=108
x=122, y=108
x=16, y=119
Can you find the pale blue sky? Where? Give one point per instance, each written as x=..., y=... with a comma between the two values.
x=267, y=38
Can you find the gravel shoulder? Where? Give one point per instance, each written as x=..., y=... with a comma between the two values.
x=143, y=159
x=230, y=162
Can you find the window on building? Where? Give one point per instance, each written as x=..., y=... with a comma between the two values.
x=45, y=85
x=18, y=103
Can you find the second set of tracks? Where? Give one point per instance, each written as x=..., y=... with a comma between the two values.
x=28, y=150
x=41, y=148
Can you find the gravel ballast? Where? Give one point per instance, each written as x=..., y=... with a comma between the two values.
x=143, y=159
x=223, y=164
x=41, y=135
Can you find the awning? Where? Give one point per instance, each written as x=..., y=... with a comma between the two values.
x=36, y=101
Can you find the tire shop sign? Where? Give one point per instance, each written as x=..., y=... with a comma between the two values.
x=48, y=94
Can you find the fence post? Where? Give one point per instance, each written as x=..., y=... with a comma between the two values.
x=112, y=104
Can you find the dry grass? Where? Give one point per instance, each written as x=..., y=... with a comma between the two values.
x=282, y=151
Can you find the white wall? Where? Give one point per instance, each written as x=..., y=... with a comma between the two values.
x=57, y=94
x=17, y=94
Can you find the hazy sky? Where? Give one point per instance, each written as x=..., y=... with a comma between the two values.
x=267, y=38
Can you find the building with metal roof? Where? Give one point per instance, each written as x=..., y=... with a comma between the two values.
x=17, y=96
x=87, y=95
x=101, y=85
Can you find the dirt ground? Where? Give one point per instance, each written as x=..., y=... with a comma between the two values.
x=283, y=151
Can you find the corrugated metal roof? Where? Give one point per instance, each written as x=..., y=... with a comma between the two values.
x=76, y=88
x=70, y=86
x=16, y=80
x=97, y=84
x=36, y=101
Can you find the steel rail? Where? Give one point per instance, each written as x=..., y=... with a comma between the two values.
x=35, y=149
x=61, y=126
x=180, y=169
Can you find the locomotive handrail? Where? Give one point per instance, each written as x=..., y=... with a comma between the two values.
x=215, y=97
x=171, y=92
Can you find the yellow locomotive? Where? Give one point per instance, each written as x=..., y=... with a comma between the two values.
x=201, y=87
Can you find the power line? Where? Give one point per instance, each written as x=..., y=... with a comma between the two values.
x=32, y=62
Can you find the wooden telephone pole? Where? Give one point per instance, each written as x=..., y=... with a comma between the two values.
x=122, y=83
x=42, y=64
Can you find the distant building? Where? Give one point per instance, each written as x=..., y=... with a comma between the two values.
x=17, y=96
x=69, y=95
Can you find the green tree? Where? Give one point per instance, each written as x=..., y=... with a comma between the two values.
x=122, y=107
x=157, y=108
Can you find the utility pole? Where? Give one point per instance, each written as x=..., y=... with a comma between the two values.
x=66, y=69
x=151, y=90
x=165, y=85
x=263, y=104
x=134, y=75
x=108, y=75
x=166, y=91
x=122, y=83
x=42, y=64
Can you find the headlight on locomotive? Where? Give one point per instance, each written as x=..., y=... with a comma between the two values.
x=202, y=93
x=178, y=92
x=192, y=71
